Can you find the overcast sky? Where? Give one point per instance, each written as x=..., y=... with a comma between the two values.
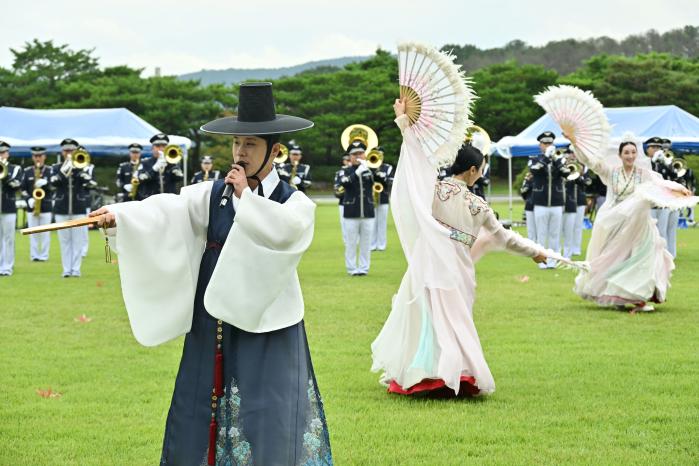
x=182, y=36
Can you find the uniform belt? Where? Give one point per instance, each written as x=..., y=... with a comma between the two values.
x=214, y=245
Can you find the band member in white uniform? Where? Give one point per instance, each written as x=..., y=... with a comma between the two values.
x=10, y=182
x=71, y=200
x=35, y=183
x=549, y=193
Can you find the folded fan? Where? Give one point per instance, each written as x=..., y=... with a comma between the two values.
x=437, y=96
x=580, y=115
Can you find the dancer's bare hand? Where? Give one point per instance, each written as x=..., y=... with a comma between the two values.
x=108, y=220
x=399, y=107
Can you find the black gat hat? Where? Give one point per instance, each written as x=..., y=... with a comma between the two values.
x=256, y=115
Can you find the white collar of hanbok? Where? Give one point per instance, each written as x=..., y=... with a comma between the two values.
x=269, y=184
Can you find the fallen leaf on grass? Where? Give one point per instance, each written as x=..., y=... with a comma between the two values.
x=48, y=393
x=523, y=278
x=83, y=319
x=99, y=283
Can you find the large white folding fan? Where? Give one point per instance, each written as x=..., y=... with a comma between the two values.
x=580, y=115
x=437, y=96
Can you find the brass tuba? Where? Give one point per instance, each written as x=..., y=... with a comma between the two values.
x=283, y=154
x=173, y=153
x=479, y=138
x=80, y=158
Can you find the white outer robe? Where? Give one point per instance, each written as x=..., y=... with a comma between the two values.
x=254, y=287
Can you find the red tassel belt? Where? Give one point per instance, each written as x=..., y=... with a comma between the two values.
x=217, y=391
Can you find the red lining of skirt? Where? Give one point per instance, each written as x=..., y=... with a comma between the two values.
x=437, y=388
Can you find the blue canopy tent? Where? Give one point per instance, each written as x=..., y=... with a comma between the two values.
x=666, y=121
x=103, y=132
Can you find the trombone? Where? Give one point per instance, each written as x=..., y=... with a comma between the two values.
x=173, y=154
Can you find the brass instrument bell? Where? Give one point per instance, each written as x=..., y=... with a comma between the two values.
x=375, y=159
x=283, y=154
x=479, y=138
x=80, y=158
x=173, y=153
x=359, y=133
x=680, y=167
x=575, y=170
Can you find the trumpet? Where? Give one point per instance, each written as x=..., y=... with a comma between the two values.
x=173, y=153
x=80, y=158
x=679, y=166
x=575, y=170
x=3, y=168
x=283, y=154
x=375, y=159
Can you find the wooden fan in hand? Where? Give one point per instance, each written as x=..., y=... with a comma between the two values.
x=437, y=98
x=580, y=115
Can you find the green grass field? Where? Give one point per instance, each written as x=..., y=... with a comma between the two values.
x=576, y=384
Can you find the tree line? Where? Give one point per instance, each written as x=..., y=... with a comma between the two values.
x=47, y=75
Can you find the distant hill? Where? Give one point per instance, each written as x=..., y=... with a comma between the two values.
x=567, y=55
x=236, y=75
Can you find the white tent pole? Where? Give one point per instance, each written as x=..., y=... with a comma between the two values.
x=509, y=176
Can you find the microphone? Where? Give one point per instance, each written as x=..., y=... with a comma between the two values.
x=228, y=191
x=226, y=197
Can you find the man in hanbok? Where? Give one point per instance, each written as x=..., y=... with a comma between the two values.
x=245, y=393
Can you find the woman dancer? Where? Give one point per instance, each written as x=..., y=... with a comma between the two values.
x=429, y=344
x=628, y=260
